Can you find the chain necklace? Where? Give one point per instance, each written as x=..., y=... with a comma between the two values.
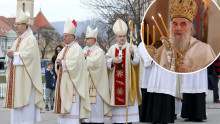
x=180, y=58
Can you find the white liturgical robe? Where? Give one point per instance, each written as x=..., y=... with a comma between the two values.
x=148, y=64
x=162, y=81
x=71, y=83
x=98, y=85
x=195, y=83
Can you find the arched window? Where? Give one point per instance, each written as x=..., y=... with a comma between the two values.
x=24, y=7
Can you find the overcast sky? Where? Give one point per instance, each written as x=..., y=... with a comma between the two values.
x=53, y=10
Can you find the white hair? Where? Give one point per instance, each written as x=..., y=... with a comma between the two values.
x=193, y=30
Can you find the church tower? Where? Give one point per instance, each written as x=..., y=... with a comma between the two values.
x=27, y=5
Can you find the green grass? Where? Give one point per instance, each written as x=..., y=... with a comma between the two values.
x=43, y=79
x=3, y=79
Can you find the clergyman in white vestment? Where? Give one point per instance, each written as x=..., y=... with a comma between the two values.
x=24, y=93
x=118, y=64
x=97, y=79
x=72, y=92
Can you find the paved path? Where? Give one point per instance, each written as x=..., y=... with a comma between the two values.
x=212, y=112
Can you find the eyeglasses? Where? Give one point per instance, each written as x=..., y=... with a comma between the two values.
x=124, y=36
x=17, y=24
x=88, y=38
x=50, y=65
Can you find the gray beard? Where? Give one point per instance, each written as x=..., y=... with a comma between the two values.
x=182, y=43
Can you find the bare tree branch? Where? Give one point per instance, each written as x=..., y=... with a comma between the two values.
x=110, y=10
x=46, y=43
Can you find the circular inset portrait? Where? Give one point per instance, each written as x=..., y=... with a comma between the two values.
x=182, y=35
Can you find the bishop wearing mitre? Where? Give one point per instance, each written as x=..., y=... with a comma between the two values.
x=23, y=76
x=72, y=91
x=97, y=79
x=193, y=54
x=124, y=86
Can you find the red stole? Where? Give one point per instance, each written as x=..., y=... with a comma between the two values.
x=120, y=80
x=11, y=81
x=58, y=107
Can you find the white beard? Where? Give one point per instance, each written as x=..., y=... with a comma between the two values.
x=182, y=43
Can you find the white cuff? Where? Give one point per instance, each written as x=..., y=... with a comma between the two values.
x=109, y=63
x=17, y=59
x=135, y=60
x=64, y=66
x=7, y=61
x=147, y=61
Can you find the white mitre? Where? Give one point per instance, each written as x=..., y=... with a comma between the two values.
x=70, y=27
x=91, y=33
x=120, y=27
x=22, y=17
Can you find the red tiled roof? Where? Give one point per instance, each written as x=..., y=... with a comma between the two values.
x=34, y=29
x=11, y=19
x=42, y=22
x=5, y=24
x=2, y=34
x=4, y=27
x=7, y=21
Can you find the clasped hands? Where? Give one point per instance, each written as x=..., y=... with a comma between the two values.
x=118, y=60
x=85, y=54
x=10, y=54
x=59, y=61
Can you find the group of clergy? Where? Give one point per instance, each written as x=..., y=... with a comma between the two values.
x=91, y=85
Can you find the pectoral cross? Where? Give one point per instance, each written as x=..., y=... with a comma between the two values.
x=93, y=87
x=120, y=64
